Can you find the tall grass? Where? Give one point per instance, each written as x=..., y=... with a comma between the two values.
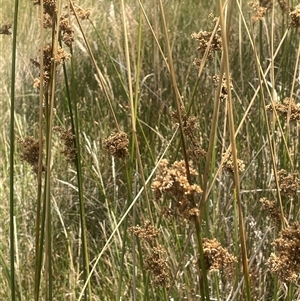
x=157, y=158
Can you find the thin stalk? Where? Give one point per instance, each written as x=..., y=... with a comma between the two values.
x=136, y=101
x=39, y=235
x=12, y=153
x=125, y=226
x=236, y=241
x=292, y=89
x=50, y=116
x=224, y=34
x=76, y=131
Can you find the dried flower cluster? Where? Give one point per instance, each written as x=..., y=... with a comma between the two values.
x=203, y=38
x=283, y=108
x=224, y=88
x=190, y=126
x=260, y=9
x=289, y=184
x=158, y=267
x=68, y=139
x=81, y=13
x=216, y=257
x=173, y=182
x=117, y=145
x=295, y=17
x=273, y=210
x=48, y=5
x=60, y=57
x=30, y=152
x=286, y=263
x=153, y=262
x=65, y=27
x=4, y=29
x=228, y=163
x=66, y=30
x=148, y=232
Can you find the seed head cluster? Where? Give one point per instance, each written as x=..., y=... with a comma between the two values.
x=147, y=233
x=66, y=30
x=4, y=29
x=154, y=262
x=117, y=145
x=295, y=17
x=190, y=127
x=173, y=182
x=203, y=38
x=60, y=58
x=228, y=163
x=158, y=267
x=68, y=139
x=284, y=108
x=81, y=13
x=289, y=183
x=49, y=6
x=30, y=152
x=286, y=262
x=216, y=257
x=273, y=210
x=224, y=88
x=260, y=9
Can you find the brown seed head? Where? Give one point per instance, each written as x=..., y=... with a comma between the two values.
x=148, y=232
x=158, y=267
x=117, y=145
x=228, y=163
x=30, y=152
x=273, y=210
x=295, y=17
x=284, y=108
x=215, y=255
x=4, y=29
x=286, y=263
x=289, y=184
x=68, y=140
